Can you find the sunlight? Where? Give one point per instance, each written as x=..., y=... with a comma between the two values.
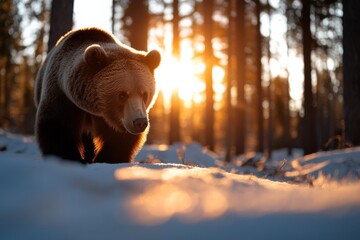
x=215, y=203
x=171, y=196
x=86, y=18
x=218, y=77
x=172, y=199
x=196, y=194
x=180, y=75
x=296, y=79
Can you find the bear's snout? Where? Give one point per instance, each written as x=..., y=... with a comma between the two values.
x=140, y=124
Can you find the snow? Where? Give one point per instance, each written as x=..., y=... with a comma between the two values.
x=178, y=192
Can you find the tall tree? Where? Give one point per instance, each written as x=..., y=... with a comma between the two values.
x=113, y=12
x=10, y=45
x=230, y=54
x=309, y=143
x=240, y=74
x=270, y=125
x=135, y=23
x=293, y=40
x=175, y=101
x=61, y=20
x=351, y=21
x=208, y=55
x=32, y=68
x=259, y=89
x=327, y=58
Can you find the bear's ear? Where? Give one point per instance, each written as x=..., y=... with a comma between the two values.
x=95, y=56
x=152, y=59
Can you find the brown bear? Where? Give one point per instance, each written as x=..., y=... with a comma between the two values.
x=92, y=96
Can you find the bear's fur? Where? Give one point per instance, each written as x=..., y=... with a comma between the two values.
x=92, y=96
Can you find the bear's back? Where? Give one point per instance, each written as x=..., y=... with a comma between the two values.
x=76, y=38
x=79, y=40
x=70, y=45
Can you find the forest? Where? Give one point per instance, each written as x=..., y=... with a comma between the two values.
x=236, y=75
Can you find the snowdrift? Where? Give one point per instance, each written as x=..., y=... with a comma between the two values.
x=177, y=192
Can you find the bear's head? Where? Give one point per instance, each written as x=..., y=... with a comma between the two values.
x=125, y=85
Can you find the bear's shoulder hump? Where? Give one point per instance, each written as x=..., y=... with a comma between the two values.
x=92, y=34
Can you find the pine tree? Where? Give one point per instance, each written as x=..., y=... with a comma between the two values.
x=310, y=132
x=135, y=23
x=351, y=71
x=208, y=54
x=61, y=20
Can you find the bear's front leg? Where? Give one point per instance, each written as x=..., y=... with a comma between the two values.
x=116, y=147
x=59, y=134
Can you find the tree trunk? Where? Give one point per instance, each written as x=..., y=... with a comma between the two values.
x=113, y=12
x=271, y=101
x=259, y=90
x=8, y=89
x=310, y=132
x=351, y=21
x=230, y=53
x=10, y=43
x=240, y=67
x=175, y=101
x=140, y=22
x=29, y=108
x=287, y=127
x=61, y=20
x=208, y=55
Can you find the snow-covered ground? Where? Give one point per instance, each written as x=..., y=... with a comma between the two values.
x=178, y=192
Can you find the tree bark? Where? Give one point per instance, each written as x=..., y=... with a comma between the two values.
x=175, y=101
x=271, y=101
x=140, y=22
x=240, y=67
x=310, y=132
x=351, y=41
x=259, y=89
x=113, y=12
x=230, y=53
x=61, y=20
x=208, y=54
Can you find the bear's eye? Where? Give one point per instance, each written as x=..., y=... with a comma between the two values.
x=123, y=96
x=145, y=96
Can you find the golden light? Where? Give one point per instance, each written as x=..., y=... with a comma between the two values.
x=169, y=195
x=218, y=85
x=194, y=194
x=172, y=199
x=180, y=75
x=296, y=78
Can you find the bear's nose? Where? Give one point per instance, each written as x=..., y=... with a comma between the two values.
x=140, y=124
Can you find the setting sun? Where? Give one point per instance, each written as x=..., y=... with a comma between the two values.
x=174, y=74
x=185, y=76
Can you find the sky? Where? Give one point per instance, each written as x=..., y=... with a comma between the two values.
x=97, y=13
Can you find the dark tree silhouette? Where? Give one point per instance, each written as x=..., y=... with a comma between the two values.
x=240, y=74
x=208, y=55
x=175, y=101
x=271, y=105
x=309, y=143
x=230, y=53
x=351, y=56
x=259, y=90
x=61, y=20
x=135, y=23
x=10, y=44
